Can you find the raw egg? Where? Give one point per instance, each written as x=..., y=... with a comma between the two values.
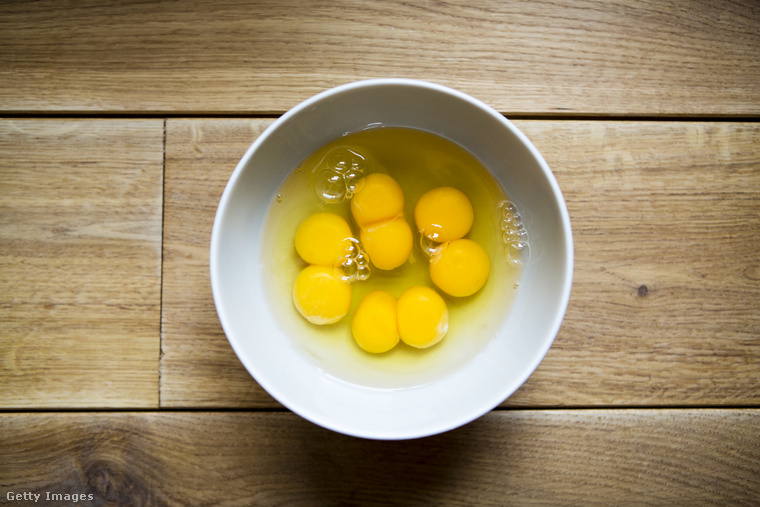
x=374, y=325
x=423, y=317
x=320, y=296
x=443, y=214
x=380, y=198
x=461, y=268
x=323, y=238
x=388, y=244
x=378, y=209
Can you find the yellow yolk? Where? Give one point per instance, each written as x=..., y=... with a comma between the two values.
x=389, y=244
x=374, y=326
x=321, y=297
x=423, y=317
x=443, y=214
x=380, y=199
x=461, y=269
x=322, y=239
x=378, y=209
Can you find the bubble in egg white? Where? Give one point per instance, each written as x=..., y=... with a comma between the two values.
x=430, y=247
x=514, y=234
x=354, y=264
x=339, y=175
x=346, y=269
x=362, y=273
x=353, y=182
x=330, y=187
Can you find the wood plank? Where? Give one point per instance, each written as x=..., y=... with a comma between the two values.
x=80, y=262
x=198, y=366
x=693, y=57
x=588, y=457
x=665, y=308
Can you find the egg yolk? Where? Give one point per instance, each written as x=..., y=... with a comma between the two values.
x=322, y=238
x=374, y=326
x=378, y=209
x=443, y=214
x=461, y=269
x=379, y=199
x=320, y=296
x=388, y=244
x=420, y=318
x=423, y=317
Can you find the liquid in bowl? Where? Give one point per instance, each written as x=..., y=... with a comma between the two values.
x=419, y=161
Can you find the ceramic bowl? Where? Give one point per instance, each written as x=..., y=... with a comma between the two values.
x=273, y=357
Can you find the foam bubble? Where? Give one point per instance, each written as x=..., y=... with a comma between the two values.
x=431, y=247
x=514, y=234
x=339, y=175
x=330, y=187
x=354, y=264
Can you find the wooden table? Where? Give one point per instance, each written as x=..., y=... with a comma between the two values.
x=121, y=123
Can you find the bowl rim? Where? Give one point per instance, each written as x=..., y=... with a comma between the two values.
x=499, y=395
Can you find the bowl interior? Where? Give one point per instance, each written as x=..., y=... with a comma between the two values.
x=448, y=402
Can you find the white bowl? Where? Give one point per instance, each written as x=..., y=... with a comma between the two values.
x=482, y=383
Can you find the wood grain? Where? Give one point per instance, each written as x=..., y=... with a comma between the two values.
x=568, y=457
x=693, y=57
x=198, y=366
x=665, y=308
x=80, y=246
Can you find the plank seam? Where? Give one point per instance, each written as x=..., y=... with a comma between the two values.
x=264, y=410
x=252, y=116
x=161, y=295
